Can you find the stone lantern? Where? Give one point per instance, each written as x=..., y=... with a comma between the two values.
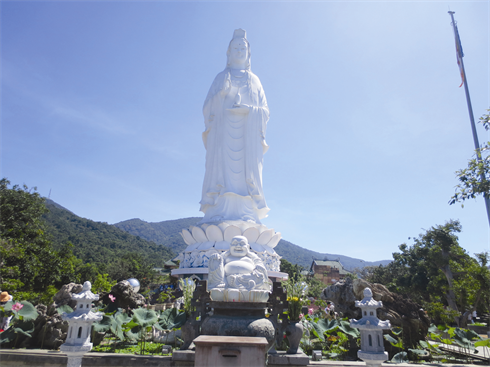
x=80, y=325
x=372, y=349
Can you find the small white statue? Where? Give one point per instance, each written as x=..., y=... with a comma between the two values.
x=238, y=275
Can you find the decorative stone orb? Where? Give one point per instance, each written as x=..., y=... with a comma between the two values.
x=135, y=284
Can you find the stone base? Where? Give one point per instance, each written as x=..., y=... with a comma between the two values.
x=183, y=355
x=281, y=358
x=248, y=326
x=372, y=358
x=217, y=351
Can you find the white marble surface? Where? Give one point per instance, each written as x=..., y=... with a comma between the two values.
x=238, y=275
x=235, y=117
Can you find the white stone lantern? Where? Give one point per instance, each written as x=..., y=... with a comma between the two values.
x=80, y=325
x=372, y=349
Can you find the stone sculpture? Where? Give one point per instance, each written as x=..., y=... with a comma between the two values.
x=238, y=275
x=399, y=311
x=235, y=116
x=372, y=347
x=79, y=326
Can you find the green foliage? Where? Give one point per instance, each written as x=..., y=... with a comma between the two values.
x=188, y=286
x=400, y=358
x=170, y=319
x=475, y=179
x=296, y=290
x=437, y=270
x=22, y=322
x=333, y=336
x=29, y=262
x=102, y=283
x=440, y=314
x=108, y=249
x=46, y=297
x=164, y=296
x=351, y=276
x=111, y=345
x=293, y=270
x=320, y=327
x=315, y=287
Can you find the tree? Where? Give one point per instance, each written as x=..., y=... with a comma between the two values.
x=436, y=270
x=475, y=179
x=29, y=262
x=132, y=265
x=293, y=270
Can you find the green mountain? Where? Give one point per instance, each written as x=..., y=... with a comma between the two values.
x=97, y=242
x=101, y=243
x=168, y=234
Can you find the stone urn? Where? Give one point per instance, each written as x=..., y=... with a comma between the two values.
x=239, y=319
x=294, y=333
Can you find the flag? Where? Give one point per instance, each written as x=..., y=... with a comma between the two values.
x=459, y=54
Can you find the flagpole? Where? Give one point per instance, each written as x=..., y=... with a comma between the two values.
x=459, y=52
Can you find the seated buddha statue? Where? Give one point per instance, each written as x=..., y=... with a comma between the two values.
x=238, y=275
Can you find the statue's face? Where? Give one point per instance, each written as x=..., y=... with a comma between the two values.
x=238, y=51
x=239, y=247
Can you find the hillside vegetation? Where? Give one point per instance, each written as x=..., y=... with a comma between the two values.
x=97, y=242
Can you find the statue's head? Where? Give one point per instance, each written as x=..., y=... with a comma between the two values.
x=239, y=49
x=239, y=246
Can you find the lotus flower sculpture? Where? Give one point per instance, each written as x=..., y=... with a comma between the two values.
x=205, y=239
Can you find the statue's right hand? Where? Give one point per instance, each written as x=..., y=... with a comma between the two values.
x=214, y=256
x=226, y=87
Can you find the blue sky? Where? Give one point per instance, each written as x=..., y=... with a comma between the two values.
x=101, y=108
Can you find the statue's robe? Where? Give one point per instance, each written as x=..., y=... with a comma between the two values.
x=235, y=145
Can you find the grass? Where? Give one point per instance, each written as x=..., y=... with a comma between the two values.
x=113, y=345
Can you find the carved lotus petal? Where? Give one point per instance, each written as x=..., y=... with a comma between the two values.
x=230, y=232
x=243, y=226
x=264, y=237
x=223, y=225
x=214, y=233
x=204, y=226
x=206, y=245
x=262, y=228
x=274, y=240
x=188, y=239
x=199, y=235
x=223, y=245
x=269, y=250
x=252, y=234
x=192, y=247
x=256, y=247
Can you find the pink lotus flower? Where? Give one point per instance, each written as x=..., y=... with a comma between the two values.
x=17, y=307
x=310, y=311
x=112, y=298
x=301, y=316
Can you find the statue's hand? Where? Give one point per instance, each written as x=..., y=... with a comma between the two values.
x=215, y=256
x=226, y=87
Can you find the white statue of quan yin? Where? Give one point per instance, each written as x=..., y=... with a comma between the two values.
x=238, y=275
x=235, y=117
